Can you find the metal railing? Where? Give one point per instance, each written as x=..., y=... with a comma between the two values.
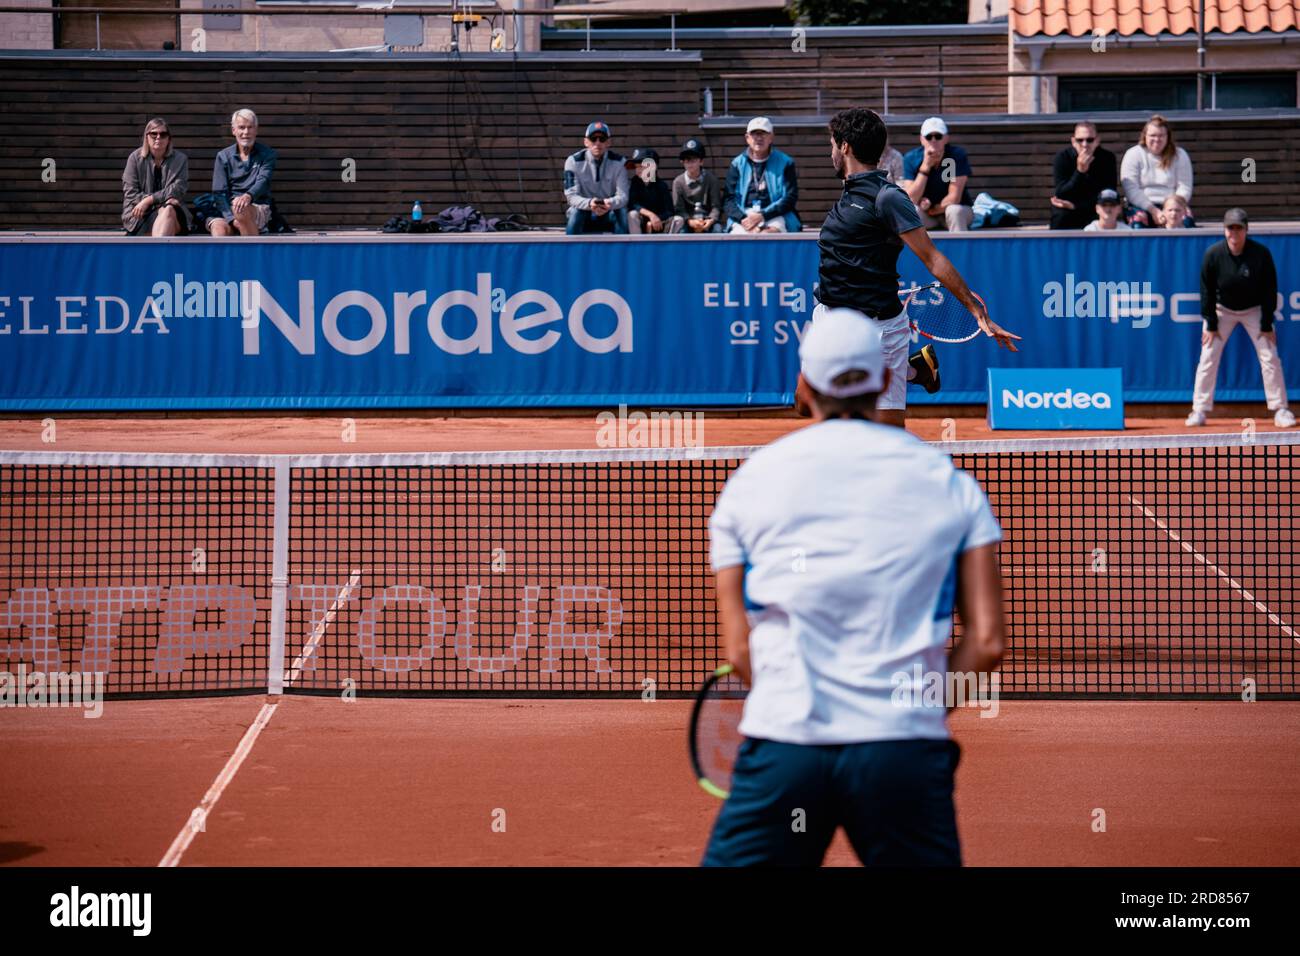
x=859, y=79
x=457, y=13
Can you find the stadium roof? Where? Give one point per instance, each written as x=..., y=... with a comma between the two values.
x=1151, y=17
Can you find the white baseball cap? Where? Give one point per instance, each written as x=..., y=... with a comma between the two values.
x=934, y=125
x=840, y=341
x=759, y=122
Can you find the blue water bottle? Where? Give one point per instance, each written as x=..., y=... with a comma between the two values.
x=417, y=212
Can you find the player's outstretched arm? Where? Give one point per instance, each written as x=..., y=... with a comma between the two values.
x=731, y=616
x=979, y=601
x=919, y=241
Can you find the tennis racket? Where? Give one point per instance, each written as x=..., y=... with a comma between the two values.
x=715, y=730
x=939, y=315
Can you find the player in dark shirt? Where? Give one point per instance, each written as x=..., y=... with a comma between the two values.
x=861, y=240
x=1238, y=287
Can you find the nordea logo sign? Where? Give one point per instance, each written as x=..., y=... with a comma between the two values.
x=1056, y=398
x=1066, y=399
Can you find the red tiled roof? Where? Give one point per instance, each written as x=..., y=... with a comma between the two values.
x=1129, y=17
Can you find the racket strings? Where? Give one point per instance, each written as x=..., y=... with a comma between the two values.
x=940, y=315
x=717, y=731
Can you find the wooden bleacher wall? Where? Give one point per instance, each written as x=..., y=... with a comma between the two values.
x=486, y=130
x=494, y=131
x=864, y=55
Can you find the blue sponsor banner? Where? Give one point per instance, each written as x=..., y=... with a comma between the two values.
x=542, y=321
x=1056, y=398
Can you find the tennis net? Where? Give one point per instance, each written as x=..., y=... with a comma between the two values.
x=1134, y=567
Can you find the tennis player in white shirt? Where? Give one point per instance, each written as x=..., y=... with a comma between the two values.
x=839, y=550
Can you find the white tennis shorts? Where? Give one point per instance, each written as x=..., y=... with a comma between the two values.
x=896, y=339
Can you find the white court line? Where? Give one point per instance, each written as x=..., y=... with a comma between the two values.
x=1232, y=582
x=318, y=632
x=198, y=816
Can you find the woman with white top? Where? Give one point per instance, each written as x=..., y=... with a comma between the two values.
x=1154, y=170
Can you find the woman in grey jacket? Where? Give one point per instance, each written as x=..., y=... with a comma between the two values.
x=153, y=186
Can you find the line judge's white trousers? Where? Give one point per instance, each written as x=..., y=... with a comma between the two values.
x=1207, y=369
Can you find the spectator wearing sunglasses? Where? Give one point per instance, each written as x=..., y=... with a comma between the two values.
x=153, y=185
x=1080, y=173
x=762, y=187
x=596, y=185
x=934, y=177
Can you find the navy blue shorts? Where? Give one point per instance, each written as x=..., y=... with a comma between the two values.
x=893, y=798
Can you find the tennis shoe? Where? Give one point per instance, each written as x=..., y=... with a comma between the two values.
x=1283, y=418
x=926, y=365
x=1195, y=420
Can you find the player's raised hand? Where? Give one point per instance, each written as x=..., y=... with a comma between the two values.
x=1004, y=338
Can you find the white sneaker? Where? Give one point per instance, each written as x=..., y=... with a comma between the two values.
x=1195, y=420
x=1283, y=418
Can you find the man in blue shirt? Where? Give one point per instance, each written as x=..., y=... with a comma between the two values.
x=934, y=176
x=241, y=181
x=762, y=185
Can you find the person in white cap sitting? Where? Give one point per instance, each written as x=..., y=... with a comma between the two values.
x=836, y=644
x=762, y=185
x=934, y=176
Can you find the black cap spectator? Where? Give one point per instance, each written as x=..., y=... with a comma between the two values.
x=595, y=185
x=1109, y=210
x=650, y=199
x=697, y=194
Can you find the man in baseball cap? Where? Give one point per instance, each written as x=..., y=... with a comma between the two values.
x=1238, y=287
x=837, y=645
x=595, y=185
x=941, y=198
x=762, y=185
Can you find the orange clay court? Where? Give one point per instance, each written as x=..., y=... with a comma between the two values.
x=1121, y=738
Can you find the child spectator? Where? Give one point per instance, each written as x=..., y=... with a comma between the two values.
x=697, y=194
x=649, y=199
x=1108, y=210
x=1176, y=213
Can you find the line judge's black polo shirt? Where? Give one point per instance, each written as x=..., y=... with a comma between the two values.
x=860, y=246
